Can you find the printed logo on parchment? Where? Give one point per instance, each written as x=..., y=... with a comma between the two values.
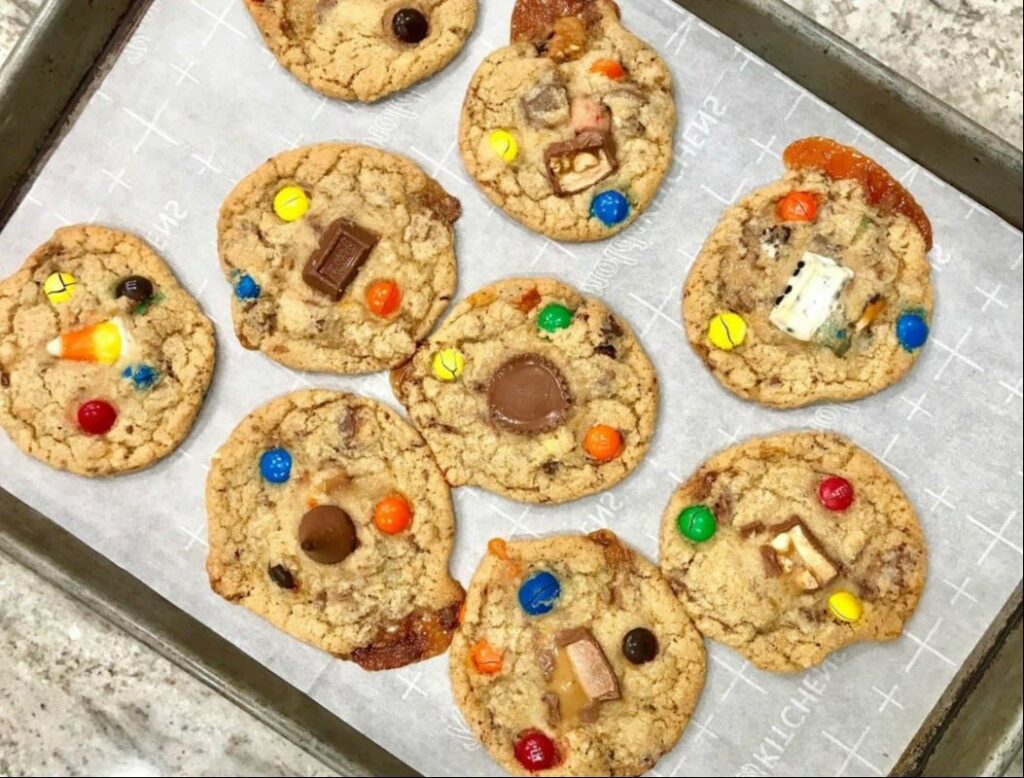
x=399, y=110
x=826, y=416
x=696, y=133
x=790, y=720
x=136, y=49
x=459, y=730
x=608, y=508
x=626, y=249
x=166, y=223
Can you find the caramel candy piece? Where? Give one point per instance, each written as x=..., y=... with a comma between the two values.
x=528, y=395
x=343, y=249
x=534, y=20
x=589, y=664
x=798, y=554
x=574, y=165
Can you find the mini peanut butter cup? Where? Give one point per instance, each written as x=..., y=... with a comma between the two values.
x=528, y=395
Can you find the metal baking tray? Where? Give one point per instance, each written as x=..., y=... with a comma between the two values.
x=975, y=728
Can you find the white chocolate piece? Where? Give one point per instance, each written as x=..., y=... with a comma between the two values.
x=810, y=296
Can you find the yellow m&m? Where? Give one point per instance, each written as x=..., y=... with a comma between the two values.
x=448, y=364
x=503, y=145
x=58, y=287
x=845, y=606
x=291, y=203
x=727, y=330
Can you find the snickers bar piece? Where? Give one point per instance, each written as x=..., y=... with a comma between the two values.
x=343, y=249
x=574, y=165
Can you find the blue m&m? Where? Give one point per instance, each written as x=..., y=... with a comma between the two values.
x=141, y=376
x=911, y=330
x=539, y=593
x=276, y=465
x=246, y=288
x=610, y=207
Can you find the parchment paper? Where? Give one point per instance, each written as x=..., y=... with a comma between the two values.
x=195, y=102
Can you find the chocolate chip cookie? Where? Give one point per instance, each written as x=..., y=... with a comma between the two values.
x=533, y=391
x=574, y=657
x=569, y=129
x=328, y=517
x=363, y=49
x=341, y=257
x=815, y=287
x=104, y=358
x=792, y=546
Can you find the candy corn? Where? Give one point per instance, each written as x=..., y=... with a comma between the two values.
x=103, y=342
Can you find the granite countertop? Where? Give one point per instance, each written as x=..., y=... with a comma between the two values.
x=81, y=697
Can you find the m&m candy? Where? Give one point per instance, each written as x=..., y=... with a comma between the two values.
x=727, y=330
x=58, y=287
x=291, y=203
x=448, y=364
x=276, y=465
x=535, y=751
x=602, y=442
x=539, y=593
x=610, y=68
x=136, y=288
x=503, y=144
x=409, y=25
x=553, y=317
x=911, y=330
x=798, y=207
x=639, y=645
x=246, y=288
x=141, y=376
x=383, y=297
x=835, y=493
x=486, y=658
x=610, y=207
x=845, y=606
x=392, y=514
x=96, y=417
x=697, y=523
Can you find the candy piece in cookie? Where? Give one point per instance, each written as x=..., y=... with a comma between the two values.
x=363, y=50
x=341, y=257
x=328, y=517
x=815, y=547
x=600, y=681
x=815, y=287
x=532, y=390
x=104, y=358
x=569, y=128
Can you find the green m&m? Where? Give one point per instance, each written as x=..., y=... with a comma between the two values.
x=554, y=316
x=697, y=523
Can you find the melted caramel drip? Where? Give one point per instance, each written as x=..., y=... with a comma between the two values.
x=571, y=697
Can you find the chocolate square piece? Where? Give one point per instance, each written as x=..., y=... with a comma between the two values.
x=573, y=165
x=343, y=249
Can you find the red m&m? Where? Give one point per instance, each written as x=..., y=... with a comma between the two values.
x=835, y=493
x=535, y=751
x=96, y=417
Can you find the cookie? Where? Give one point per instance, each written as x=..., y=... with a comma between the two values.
x=792, y=546
x=340, y=257
x=328, y=517
x=569, y=129
x=533, y=391
x=574, y=658
x=104, y=358
x=363, y=49
x=815, y=287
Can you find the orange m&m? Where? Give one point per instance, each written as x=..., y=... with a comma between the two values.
x=798, y=207
x=486, y=658
x=610, y=68
x=392, y=515
x=383, y=297
x=603, y=442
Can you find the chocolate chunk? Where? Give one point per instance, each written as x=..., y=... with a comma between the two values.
x=607, y=349
x=546, y=660
x=441, y=204
x=546, y=103
x=610, y=327
x=723, y=507
x=136, y=288
x=751, y=529
x=550, y=467
x=282, y=576
x=551, y=702
x=327, y=534
x=771, y=564
x=343, y=249
x=573, y=165
x=5, y=379
x=528, y=395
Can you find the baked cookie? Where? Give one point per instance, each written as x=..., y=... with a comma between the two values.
x=815, y=287
x=104, y=358
x=792, y=546
x=328, y=517
x=569, y=129
x=533, y=391
x=363, y=49
x=574, y=658
x=341, y=257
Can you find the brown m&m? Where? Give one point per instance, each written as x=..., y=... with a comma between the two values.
x=574, y=165
x=327, y=534
x=343, y=250
x=528, y=395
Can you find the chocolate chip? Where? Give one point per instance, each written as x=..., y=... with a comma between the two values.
x=343, y=249
x=5, y=379
x=610, y=327
x=639, y=645
x=409, y=25
x=282, y=576
x=327, y=534
x=137, y=288
x=528, y=394
x=607, y=349
x=550, y=467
